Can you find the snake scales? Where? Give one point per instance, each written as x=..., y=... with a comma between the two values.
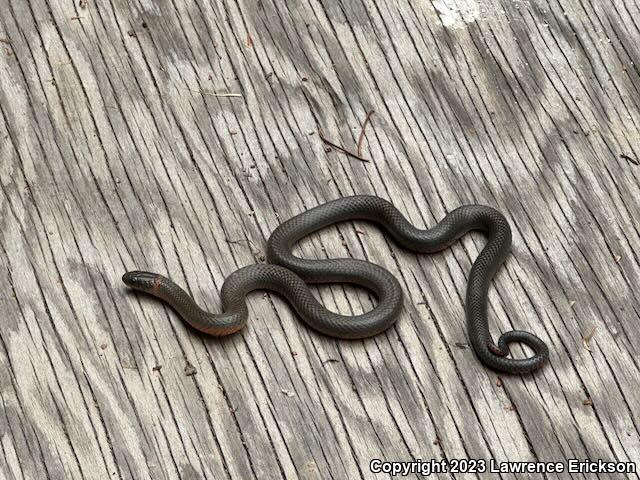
x=289, y=275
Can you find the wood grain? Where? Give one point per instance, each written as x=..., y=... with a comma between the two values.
x=116, y=153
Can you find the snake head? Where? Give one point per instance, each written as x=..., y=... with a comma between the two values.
x=143, y=281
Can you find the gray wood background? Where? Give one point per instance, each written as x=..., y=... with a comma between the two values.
x=116, y=153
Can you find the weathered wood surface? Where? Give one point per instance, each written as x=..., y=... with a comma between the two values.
x=113, y=159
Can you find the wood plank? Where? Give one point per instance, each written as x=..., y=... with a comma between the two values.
x=117, y=154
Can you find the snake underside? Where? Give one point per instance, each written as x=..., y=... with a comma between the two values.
x=289, y=275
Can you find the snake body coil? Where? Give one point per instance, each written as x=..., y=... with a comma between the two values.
x=288, y=275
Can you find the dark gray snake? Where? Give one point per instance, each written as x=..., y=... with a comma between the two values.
x=288, y=275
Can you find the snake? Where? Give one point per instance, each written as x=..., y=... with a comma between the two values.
x=290, y=276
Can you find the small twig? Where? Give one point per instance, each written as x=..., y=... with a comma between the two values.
x=629, y=159
x=239, y=241
x=330, y=360
x=364, y=126
x=587, y=338
x=340, y=149
x=213, y=94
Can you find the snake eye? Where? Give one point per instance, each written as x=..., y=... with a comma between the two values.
x=139, y=280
